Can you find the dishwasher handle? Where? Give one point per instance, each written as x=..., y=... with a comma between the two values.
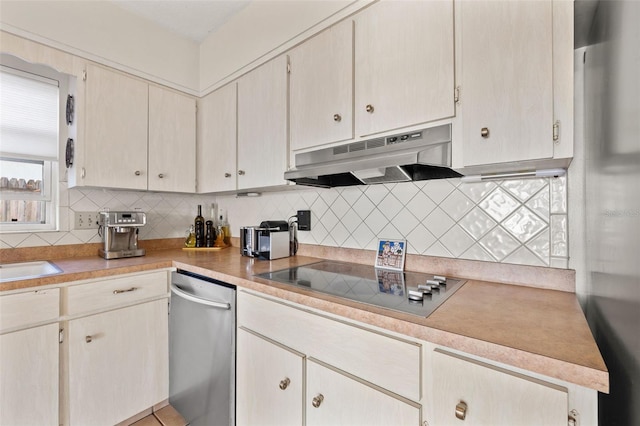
x=181, y=293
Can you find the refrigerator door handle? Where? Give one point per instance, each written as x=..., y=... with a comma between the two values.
x=181, y=293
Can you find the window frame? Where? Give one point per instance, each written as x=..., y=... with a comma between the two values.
x=50, y=194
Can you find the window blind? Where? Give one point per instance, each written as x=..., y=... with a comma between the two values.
x=28, y=115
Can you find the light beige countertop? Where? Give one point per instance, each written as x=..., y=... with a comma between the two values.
x=541, y=330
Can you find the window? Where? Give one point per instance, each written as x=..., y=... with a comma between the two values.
x=29, y=135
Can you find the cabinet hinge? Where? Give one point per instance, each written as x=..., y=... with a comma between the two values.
x=288, y=68
x=61, y=335
x=84, y=75
x=456, y=95
x=556, y=131
x=574, y=418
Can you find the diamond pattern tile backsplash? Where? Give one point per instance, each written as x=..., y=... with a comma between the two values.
x=511, y=221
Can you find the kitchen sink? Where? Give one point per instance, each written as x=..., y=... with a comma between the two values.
x=27, y=270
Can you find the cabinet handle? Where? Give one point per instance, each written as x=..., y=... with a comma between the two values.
x=227, y=175
x=369, y=108
x=284, y=383
x=337, y=118
x=88, y=339
x=317, y=400
x=160, y=175
x=124, y=291
x=241, y=172
x=484, y=132
x=461, y=410
x=137, y=173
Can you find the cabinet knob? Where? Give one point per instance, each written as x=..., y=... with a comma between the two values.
x=337, y=117
x=227, y=175
x=241, y=172
x=160, y=175
x=317, y=400
x=137, y=173
x=284, y=383
x=369, y=108
x=88, y=339
x=484, y=132
x=461, y=410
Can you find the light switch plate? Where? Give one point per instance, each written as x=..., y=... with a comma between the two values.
x=86, y=220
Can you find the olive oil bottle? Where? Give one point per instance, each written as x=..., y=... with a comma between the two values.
x=199, y=228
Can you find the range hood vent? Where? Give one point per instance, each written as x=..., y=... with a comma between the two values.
x=419, y=155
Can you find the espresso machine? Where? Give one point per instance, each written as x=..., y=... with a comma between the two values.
x=119, y=232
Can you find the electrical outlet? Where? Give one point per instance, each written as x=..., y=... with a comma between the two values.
x=86, y=220
x=304, y=220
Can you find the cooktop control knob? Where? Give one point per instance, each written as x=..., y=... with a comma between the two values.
x=433, y=283
x=441, y=279
x=416, y=296
x=425, y=288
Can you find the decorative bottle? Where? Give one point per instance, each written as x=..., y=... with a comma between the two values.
x=199, y=228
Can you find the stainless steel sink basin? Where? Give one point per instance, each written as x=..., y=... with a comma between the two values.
x=27, y=270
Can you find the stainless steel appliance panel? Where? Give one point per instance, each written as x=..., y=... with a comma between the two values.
x=202, y=346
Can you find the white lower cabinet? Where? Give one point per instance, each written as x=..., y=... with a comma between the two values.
x=337, y=398
x=29, y=376
x=29, y=357
x=118, y=363
x=332, y=372
x=269, y=382
x=116, y=348
x=481, y=394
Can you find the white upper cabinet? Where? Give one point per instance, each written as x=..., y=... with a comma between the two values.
x=137, y=136
x=172, y=141
x=115, y=142
x=511, y=89
x=216, y=160
x=321, y=85
x=404, y=65
x=262, y=125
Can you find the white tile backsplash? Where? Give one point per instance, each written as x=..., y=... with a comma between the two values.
x=515, y=221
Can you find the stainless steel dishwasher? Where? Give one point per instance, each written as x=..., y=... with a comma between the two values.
x=202, y=349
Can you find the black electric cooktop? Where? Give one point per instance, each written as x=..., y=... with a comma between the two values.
x=410, y=292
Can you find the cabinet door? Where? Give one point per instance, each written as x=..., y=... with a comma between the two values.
x=321, y=84
x=269, y=382
x=493, y=396
x=216, y=160
x=404, y=64
x=29, y=376
x=506, y=81
x=118, y=363
x=262, y=125
x=115, y=139
x=172, y=141
x=334, y=398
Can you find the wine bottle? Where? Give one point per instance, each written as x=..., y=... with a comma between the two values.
x=199, y=228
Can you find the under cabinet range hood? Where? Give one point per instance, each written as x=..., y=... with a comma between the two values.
x=418, y=155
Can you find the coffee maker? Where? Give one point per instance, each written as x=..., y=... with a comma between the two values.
x=273, y=239
x=119, y=232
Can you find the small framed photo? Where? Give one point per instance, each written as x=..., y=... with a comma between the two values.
x=390, y=254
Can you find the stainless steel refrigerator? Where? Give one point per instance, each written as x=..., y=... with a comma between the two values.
x=611, y=235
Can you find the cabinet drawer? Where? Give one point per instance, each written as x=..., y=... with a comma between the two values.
x=24, y=309
x=488, y=395
x=386, y=361
x=106, y=294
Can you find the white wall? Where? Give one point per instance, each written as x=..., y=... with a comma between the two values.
x=102, y=32
x=261, y=28
x=105, y=33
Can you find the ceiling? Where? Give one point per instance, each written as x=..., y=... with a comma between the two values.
x=193, y=19
x=196, y=19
